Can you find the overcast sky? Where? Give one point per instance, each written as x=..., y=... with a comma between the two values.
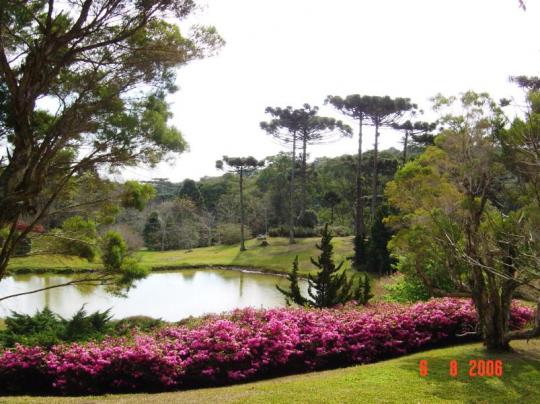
x=288, y=52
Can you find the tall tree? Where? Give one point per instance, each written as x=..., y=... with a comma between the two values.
x=190, y=190
x=469, y=211
x=417, y=130
x=315, y=129
x=383, y=111
x=241, y=166
x=303, y=125
x=105, y=67
x=331, y=199
x=285, y=128
x=355, y=106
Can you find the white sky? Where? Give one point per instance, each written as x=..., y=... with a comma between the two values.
x=288, y=52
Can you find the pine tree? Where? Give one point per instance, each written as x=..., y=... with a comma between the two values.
x=379, y=260
x=152, y=232
x=358, y=260
x=293, y=294
x=190, y=190
x=329, y=287
x=363, y=294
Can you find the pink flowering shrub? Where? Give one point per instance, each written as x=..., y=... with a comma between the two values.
x=241, y=345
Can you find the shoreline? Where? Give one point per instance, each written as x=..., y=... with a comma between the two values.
x=167, y=268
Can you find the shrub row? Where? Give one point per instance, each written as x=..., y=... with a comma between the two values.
x=241, y=345
x=302, y=232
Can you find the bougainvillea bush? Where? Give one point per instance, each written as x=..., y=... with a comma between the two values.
x=241, y=345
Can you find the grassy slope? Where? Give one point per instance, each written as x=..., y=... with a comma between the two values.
x=392, y=381
x=277, y=257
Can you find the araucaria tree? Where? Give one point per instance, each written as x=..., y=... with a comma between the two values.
x=241, y=166
x=83, y=86
x=315, y=129
x=303, y=125
x=417, y=129
x=285, y=127
x=470, y=213
x=383, y=111
x=356, y=107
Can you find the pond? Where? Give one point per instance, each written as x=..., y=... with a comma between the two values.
x=170, y=295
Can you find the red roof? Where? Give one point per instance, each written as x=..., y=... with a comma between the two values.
x=38, y=228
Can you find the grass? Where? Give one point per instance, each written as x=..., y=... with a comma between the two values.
x=277, y=257
x=392, y=381
x=50, y=263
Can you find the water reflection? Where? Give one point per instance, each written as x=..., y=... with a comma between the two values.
x=169, y=295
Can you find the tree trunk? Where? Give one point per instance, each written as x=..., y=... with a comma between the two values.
x=493, y=317
x=163, y=230
x=291, y=194
x=242, y=245
x=375, y=184
x=360, y=229
x=332, y=214
x=303, y=184
x=405, y=146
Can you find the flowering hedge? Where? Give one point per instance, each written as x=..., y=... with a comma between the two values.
x=241, y=345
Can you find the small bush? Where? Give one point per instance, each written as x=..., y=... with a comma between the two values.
x=338, y=231
x=133, y=239
x=23, y=247
x=300, y=232
x=308, y=219
x=80, y=237
x=137, y=323
x=46, y=328
x=406, y=290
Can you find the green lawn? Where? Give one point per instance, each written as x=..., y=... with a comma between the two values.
x=49, y=263
x=277, y=257
x=393, y=381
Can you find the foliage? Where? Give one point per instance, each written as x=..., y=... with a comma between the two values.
x=240, y=346
x=23, y=247
x=467, y=212
x=331, y=199
x=132, y=238
x=241, y=166
x=377, y=258
x=129, y=325
x=407, y=289
x=328, y=287
x=46, y=329
x=190, y=190
x=78, y=237
x=362, y=292
x=106, y=69
x=359, y=258
x=308, y=219
x=180, y=225
x=300, y=232
x=137, y=195
x=293, y=295
x=229, y=233
x=114, y=251
x=152, y=232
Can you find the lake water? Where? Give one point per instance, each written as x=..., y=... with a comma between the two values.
x=170, y=295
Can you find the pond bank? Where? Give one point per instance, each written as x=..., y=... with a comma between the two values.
x=276, y=258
